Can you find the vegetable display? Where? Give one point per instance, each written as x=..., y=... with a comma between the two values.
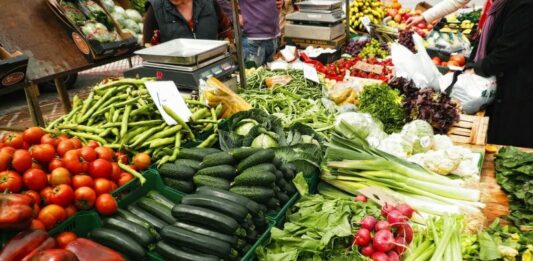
x=384, y=104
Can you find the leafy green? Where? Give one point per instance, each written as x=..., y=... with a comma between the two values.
x=385, y=104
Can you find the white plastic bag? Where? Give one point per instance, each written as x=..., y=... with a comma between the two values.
x=473, y=91
x=418, y=67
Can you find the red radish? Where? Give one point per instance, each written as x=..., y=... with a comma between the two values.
x=386, y=209
x=381, y=225
x=360, y=198
x=393, y=256
x=362, y=238
x=380, y=256
x=367, y=250
x=395, y=217
x=400, y=245
x=383, y=241
x=405, y=209
x=368, y=222
x=406, y=232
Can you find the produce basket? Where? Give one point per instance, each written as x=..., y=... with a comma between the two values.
x=12, y=67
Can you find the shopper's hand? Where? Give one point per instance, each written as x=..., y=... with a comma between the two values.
x=414, y=20
x=279, y=4
x=241, y=20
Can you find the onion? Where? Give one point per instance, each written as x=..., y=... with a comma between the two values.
x=405, y=209
x=381, y=225
x=383, y=241
x=362, y=238
x=368, y=222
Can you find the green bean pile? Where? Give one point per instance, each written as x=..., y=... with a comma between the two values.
x=121, y=115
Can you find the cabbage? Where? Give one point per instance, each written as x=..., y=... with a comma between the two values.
x=119, y=19
x=119, y=10
x=245, y=126
x=132, y=25
x=141, y=27
x=419, y=128
x=109, y=5
x=134, y=15
x=264, y=141
x=363, y=123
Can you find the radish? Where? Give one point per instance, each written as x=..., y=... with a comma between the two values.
x=367, y=250
x=368, y=222
x=393, y=256
x=381, y=225
x=362, y=238
x=395, y=217
x=386, y=209
x=380, y=256
x=405, y=231
x=405, y=209
x=400, y=245
x=360, y=198
x=383, y=241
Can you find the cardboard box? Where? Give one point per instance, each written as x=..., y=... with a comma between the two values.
x=12, y=67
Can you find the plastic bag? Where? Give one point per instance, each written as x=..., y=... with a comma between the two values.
x=215, y=93
x=417, y=67
x=473, y=91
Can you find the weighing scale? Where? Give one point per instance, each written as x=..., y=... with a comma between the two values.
x=316, y=20
x=186, y=62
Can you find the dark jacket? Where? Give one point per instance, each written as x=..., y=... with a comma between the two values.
x=172, y=24
x=510, y=59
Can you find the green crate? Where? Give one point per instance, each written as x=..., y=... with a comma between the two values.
x=279, y=217
x=263, y=239
x=81, y=223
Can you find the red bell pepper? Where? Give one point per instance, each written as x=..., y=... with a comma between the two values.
x=54, y=255
x=22, y=244
x=16, y=211
x=49, y=243
x=87, y=250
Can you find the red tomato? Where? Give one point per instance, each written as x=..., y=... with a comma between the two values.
x=13, y=140
x=63, y=137
x=10, y=181
x=37, y=225
x=113, y=186
x=106, y=204
x=82, y=181
x=61, y=195
x=60, y=176
x=93, y=144
x=50, y=139
x=105, y=153
x=64, y=238
x=36, y=210
x=55, y=163
x=65, y=146
x=35, y=165
x=115, y=175
x=5, y=159
x=71, y=210
x=88, y=154
x=73, y=162
x=45, y=195
x=35, y=179
x=77, y=142
x=51, y=215
x=141, y=161
x=100, y=168
x=122, y=157
x=124, y=178
x=25, y=145
x=43, y=153
x=84, y=198
x=36, y=197
x=33, y=135
x=21, y=160
x=102, y=186
x=9, y=150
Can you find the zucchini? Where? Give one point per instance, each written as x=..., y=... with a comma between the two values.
x=189, y=163
x=153, y=221
x=265, y=179
x=273, y=203
x=251, y=237
x=206, y=217
x=236, y=198
x=180, y=185
x=276, y=161
x=216, y=159
x=204, y=244
x=289, y=175
x=234, y=210
x=262, y=156
x=292, y=167
x=197, y=154
x=122, y=213
x=220, y=171
x=135, y=231
x=153, y=194
x=118, y=241
x=202, y=180
x=290, y=189
x=259, y=221
x=151, y=206
x=257, y=194
x=169, y=252
x=206, y=232
x=264, y=167
x=242, y=153
x=283, y=198
x=171, y=170
x=279, y=175
x=282, y=184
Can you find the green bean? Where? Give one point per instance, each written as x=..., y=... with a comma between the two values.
x=218, y=110
x=113, y=146
x=161, y=142
x=71, y=114
x=88, y=136
x=132, y=133
x=93, y=108
x=115, y=132
x=136, y=174
x=167, y=132
x=105, y=133
x=167, y=150
x=76, y=101
x=177, y=145
x=207, y=127
x=116, y=115
x=111, y=102
x=208, y=142
x=111, y=125
x=143, y=137
x=141, y=110
x=125, y=117
x=199, y=114
x=147, y=122
x=80, y=128
x=163, y=160
x=177, y=118
x=207, y=121
x=195, y=102
x=87, y=102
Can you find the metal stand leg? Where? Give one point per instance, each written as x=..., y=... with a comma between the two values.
x=33, y=104
x=130, y=63
x=63, y=94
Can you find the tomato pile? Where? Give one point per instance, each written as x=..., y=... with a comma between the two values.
x=338, y=70
x=385, y=239
x=61, y=175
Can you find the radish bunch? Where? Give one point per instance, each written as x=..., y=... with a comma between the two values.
x=385, y=240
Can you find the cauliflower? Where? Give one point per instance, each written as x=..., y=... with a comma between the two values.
x=441, y=142
x=419, y=128
x=436, y=161
x=507, y=252
x=397, y=145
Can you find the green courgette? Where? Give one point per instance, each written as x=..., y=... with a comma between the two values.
x=273, y=203
x=204, y=244
x=135, y=231
x=279, y=175
x=153, y=194
x=233, y=197
x=257, y=194
x=189, y=163
x=205, y=217
x=172, y=170
x=276, y=161
x=219, y=171
x=262, y=156
x=170, y=252
x=290, y=189
x=234, y=210
x=203, y=180
x=242, y=153
x=265, y=179
x=137, y=220
x=157, y=223
x=283, y=198
x=158, y=210
x=215, y=159
x=185, y=186
x=207, y=232
x=192, y=154
x=118, y=241
x=264, y=167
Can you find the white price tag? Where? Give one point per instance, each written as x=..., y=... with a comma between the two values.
x=166, y=93
x=366, y=22
x=310, y=73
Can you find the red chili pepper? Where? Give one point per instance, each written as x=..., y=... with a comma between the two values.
x=49, y=243
x=54, y=255
x=87, y=250
x=22, y=244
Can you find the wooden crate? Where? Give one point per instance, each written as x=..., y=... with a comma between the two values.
x=471, y=129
